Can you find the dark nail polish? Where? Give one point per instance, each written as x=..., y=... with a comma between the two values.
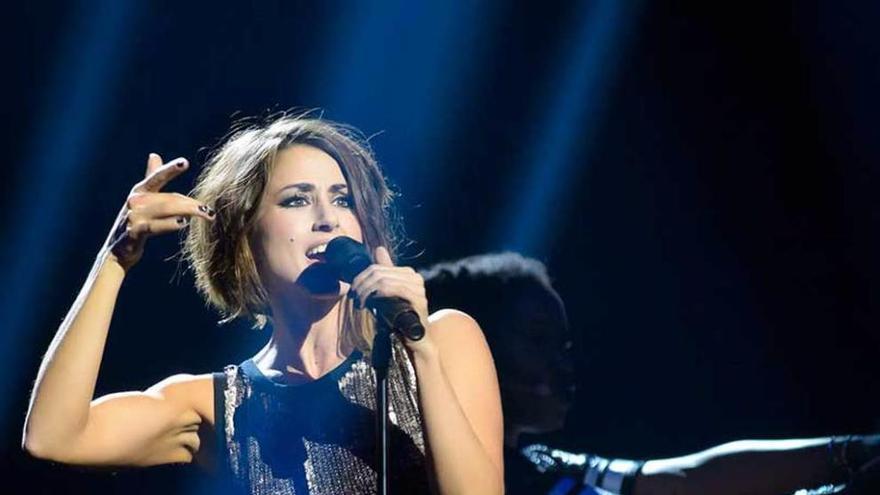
x=207, y=210
x=181, y=220
x=181, y=164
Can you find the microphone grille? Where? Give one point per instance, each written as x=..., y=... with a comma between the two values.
x=347, y=256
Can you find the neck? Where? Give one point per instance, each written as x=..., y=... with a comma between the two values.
x=305, y=340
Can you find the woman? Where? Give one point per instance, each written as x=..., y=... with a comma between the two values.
x=525, y=323
x=296, y=417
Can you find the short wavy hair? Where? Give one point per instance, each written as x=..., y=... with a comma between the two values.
x=233, y=181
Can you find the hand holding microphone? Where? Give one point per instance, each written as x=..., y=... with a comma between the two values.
x=395, y=294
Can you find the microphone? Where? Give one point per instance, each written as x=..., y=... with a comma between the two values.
x=348, y=258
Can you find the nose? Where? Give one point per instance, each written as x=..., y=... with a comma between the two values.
x=326, y=219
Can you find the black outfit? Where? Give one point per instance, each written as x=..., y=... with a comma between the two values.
x=317, y=438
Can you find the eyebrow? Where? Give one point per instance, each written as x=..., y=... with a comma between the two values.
x=308, y=187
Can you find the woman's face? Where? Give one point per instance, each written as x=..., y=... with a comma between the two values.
x=306, y=204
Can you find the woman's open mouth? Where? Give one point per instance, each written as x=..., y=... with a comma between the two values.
x=317, y=253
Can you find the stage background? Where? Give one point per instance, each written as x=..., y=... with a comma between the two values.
x=699, y=178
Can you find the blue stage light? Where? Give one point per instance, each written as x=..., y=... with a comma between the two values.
x=396, y=67
x=574, y=112
x=77, y=102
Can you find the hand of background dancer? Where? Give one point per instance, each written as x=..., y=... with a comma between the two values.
x=148, y=212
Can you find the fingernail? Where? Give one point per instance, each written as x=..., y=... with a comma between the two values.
x=181, y=221
x=207, y=210
x=181, y=164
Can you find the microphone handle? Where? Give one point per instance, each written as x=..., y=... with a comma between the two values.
x=398, y=316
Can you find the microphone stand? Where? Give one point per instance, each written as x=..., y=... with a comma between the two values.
x=380, y=358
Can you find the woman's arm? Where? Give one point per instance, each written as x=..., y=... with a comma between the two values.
x=461, y=407
x=63, y=423
x=458, y=390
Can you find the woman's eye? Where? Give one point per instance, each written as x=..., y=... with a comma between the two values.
x=295, y=201
x=343, y=201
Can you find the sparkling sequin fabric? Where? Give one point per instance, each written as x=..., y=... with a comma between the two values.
x=317, y=438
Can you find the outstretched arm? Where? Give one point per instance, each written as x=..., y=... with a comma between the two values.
x=758, y=467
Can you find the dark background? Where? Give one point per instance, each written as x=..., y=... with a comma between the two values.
x=699, y=178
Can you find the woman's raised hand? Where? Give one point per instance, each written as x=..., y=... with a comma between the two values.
x=148, y=212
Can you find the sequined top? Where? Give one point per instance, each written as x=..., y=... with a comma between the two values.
x=318, y=437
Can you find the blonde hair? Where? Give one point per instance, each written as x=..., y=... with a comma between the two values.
x=233, y=181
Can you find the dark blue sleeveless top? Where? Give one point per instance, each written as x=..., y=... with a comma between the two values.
x=318, y=437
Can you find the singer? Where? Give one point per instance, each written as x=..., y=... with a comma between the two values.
x=298, y=416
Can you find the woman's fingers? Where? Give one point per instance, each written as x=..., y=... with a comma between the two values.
x=159, y=177
x=148, y=212
x=376, y=272
x=389, y=281
x=382, y=256
x=163, y=205
x=367, y=277
x=157, y=213
x=140, y=230
x=397, y=289
x=138, y=226
x=388, y=287
x=154, y=161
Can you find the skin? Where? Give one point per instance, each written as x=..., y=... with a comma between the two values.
x=171, y=421
x=306, y=203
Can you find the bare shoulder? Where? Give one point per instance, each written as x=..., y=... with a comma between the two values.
x=194, y=392
x=455, y=321
x=451, y=328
